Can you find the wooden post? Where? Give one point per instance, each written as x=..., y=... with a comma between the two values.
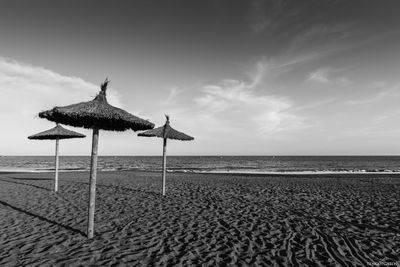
x=164, y=165
x=56, y=169
x=92, y=190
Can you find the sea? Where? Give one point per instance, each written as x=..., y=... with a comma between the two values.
x=210, y=164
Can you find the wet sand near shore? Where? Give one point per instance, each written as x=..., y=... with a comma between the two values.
x=205, y=220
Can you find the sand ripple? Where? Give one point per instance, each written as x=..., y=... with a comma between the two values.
x=206, y=220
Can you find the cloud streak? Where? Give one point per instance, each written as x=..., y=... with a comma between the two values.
x=375, y=98
x=26, y=83
x=29, y=89
x=239, y=108
x=267, y=114
x=319, y=76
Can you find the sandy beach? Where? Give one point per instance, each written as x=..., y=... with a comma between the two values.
x=205, y=220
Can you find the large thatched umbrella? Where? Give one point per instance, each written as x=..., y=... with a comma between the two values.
x=96, y=114
x=166, y=132
x=56, y=133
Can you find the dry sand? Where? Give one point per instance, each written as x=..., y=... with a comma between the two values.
x=209, y=220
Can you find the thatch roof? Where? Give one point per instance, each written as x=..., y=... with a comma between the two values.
x=57, y=132
x=96, y=114
x=166, y=131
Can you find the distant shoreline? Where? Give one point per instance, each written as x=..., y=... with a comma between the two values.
x=294, y=155
x=255, y=174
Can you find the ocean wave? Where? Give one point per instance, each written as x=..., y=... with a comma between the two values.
x=212, y=164
x=291, y=172
x=213, y=171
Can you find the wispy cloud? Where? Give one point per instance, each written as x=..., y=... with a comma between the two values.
x=385, y=117
x=245, y=109
x=29, y=89
x=376, y=97
x=241, y=107
x=172, y=95
x=328, y=75
x=381, y=117
x=323, y=36
x=319, y=76
x=267, y=14
x=316, y=104
x=369, y=131
x=36, y=86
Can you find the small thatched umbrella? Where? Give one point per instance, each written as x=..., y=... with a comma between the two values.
x=166, y=132
x=56, y=133
x=96, y=114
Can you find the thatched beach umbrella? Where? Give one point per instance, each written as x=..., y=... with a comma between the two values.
x=96, y=114
x=166, y=132
x=56, y=133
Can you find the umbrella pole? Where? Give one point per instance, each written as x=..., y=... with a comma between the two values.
x=92, y=190
x=164, y=165
x=56, y=169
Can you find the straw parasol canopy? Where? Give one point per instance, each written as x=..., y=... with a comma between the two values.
x=96, y=114
x=166, y=132
x=56, y=133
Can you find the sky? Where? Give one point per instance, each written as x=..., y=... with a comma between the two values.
x=250, y=77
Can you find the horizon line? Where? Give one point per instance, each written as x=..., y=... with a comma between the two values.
x=222, y=155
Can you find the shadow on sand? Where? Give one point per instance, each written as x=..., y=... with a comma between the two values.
x=107, y=186
x=32, y=179
x=32, y=185
x=42, y=218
